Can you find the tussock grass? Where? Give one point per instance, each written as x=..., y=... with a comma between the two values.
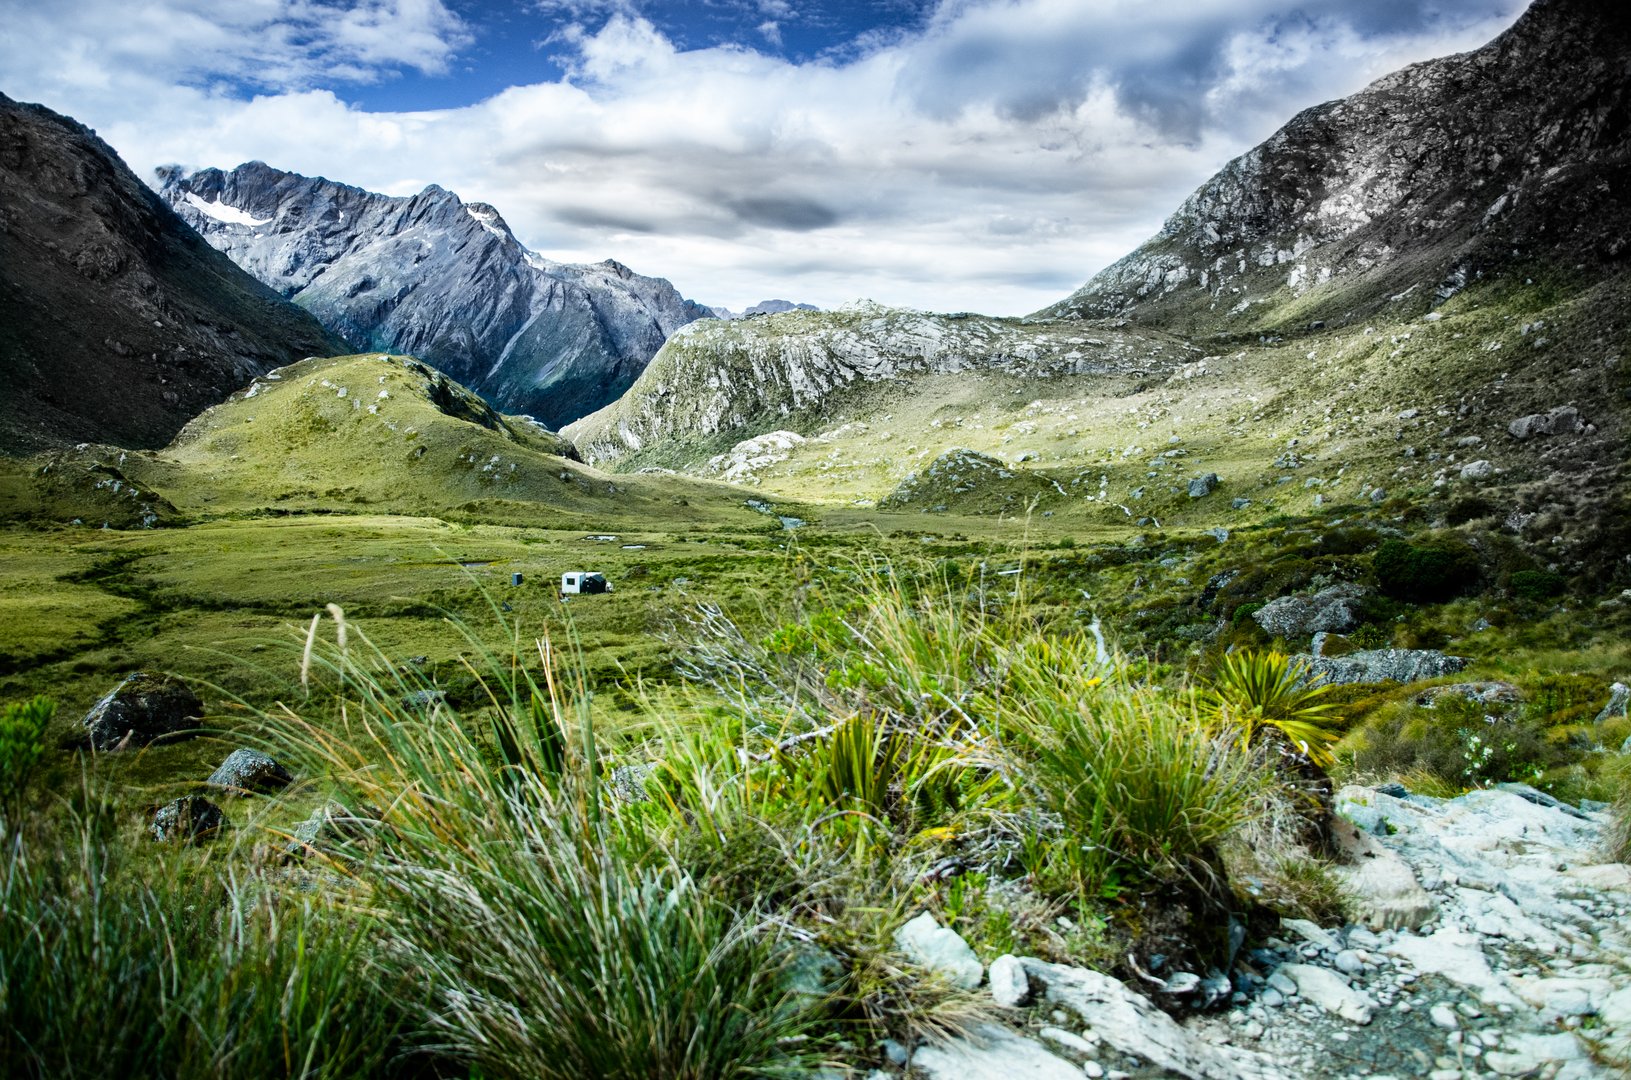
x=560, y=938
x=119, y=961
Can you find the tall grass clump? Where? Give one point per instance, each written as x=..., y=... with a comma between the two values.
x=560, y=937
x=1142, y=787
x=121, y=962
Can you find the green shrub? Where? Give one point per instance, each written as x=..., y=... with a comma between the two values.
x=1536, y=584
x=1253, y=690
x=1457, y=741
x=1141, y=785
x=1243, y=613
x=559, y=938
x=22, y=745
x=1427, y=573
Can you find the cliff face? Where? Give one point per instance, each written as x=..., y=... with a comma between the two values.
x=721, y=377
x=1417, y=185
x=440, y=279
x=118, y=323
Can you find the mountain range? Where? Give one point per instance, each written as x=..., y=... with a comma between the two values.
x=441, y=279
x=1385, y=286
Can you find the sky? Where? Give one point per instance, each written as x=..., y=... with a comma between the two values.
x=951, y=155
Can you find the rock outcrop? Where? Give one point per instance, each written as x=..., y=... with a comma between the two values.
x=249, y=772
x=118, y=323
x=1510, y=962
x=1405, y=192
x=191, y=819
x=755, y=375
x=441, y=279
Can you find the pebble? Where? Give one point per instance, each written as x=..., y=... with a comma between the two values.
x=1093, y=1070
x=1282, y=982
x=1349, y=962
x=1444, y=1017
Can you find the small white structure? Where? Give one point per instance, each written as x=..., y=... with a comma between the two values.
x=580, y=581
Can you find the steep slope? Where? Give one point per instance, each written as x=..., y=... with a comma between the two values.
x=1399, y=196
x=117, y=322
x=729, y=380
x=441, y=279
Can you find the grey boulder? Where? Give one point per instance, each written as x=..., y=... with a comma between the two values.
x=143, y=708
x=1563, y=420
x=1333, y=611
x=940, y=950
x=1202, y=486
x=191, y=819
x=247, y=772
x=1384, y=665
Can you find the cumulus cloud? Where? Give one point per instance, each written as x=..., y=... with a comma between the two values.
x=275, y=45
x=990, y=160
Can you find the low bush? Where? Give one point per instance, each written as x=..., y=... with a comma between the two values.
x=1536, y=584
x=22, y=745
x=159, y=969
x=1427, y=573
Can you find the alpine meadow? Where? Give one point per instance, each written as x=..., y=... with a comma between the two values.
x=426, y=657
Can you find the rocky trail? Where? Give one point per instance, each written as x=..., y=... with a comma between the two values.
x=1494, y=942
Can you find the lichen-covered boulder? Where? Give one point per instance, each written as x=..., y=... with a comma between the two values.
x=143, y=708
x=191, y=819
x=1335, y=610
x=247, y=772
x=1384, y=665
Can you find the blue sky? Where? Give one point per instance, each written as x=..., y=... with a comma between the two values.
x=983, y=155
x=516, y=44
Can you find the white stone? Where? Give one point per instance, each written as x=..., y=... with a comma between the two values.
x=940, y=950
x=993, y=1053
x=1066, y=1040
x=1443, y=1016
x=1010, y=987
x=1330, y=992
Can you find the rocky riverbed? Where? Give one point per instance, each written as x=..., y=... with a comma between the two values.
x=1492, y=940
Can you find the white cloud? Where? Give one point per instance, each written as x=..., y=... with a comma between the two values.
x=991, y=162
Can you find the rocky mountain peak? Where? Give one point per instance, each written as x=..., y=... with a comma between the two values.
x=1423, y=181
x=439, y=278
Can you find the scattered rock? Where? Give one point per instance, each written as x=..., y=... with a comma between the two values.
x=1477, y=470
x=246, y=772
x=991, y=1053
x=1563, y=420
x=1619, y=698
x=1483, y=693
x=143, y=708
x=1330, y=992
x=1202, y=486
x=1132, y=1024
x=191, y=819
x=939, y=949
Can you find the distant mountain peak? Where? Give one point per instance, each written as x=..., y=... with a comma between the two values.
x=441, y=279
